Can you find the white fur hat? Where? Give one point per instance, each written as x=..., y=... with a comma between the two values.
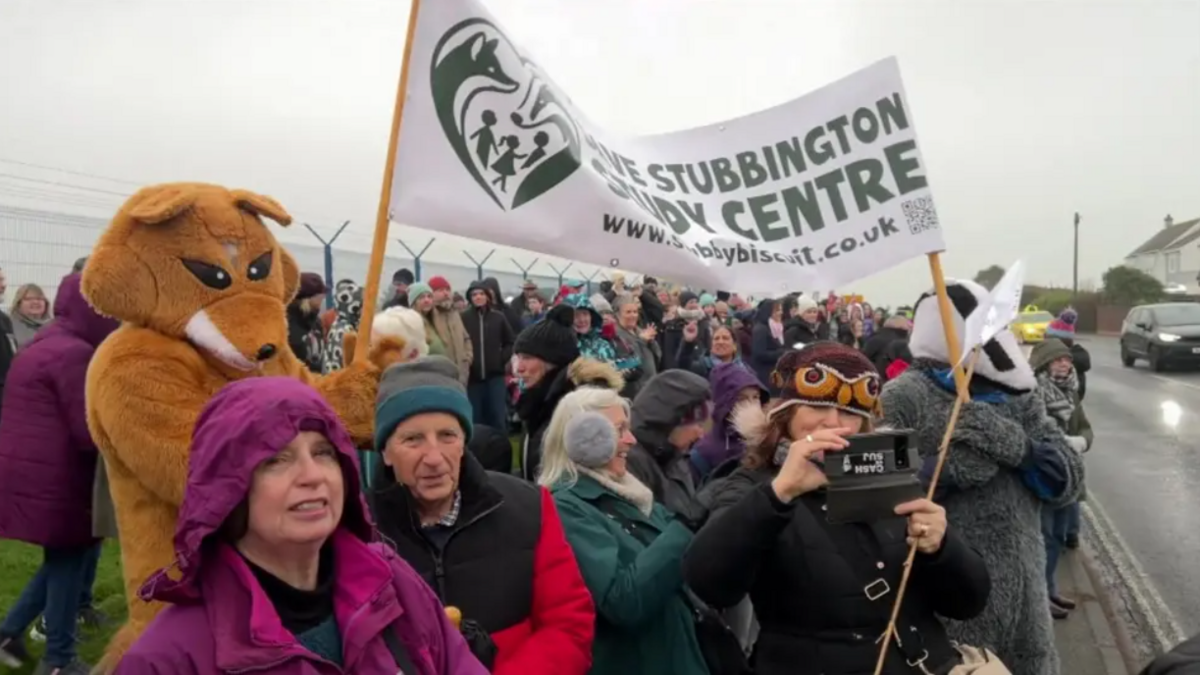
x=406, y=324
x=1001, y=361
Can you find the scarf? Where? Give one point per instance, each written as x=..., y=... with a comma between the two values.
x=776, y=330
x=980, y=392
x=1058, y=393
x=627, y=487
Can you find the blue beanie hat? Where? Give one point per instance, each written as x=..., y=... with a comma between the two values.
x=428, y=384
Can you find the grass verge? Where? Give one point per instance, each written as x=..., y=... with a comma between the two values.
x=19, y=561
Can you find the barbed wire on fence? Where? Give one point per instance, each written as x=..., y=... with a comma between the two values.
x=40, y=246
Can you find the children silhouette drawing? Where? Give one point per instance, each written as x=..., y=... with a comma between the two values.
x=506, y=164
x=487, y=138
x=540, y=139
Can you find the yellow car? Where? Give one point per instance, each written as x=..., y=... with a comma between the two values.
x=1030, y=324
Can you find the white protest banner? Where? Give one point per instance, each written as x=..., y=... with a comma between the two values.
x=821, y=191
x=994, y=315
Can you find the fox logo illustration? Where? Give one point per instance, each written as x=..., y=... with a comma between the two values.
x=511, y=128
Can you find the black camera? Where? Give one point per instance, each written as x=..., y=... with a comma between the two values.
x=874, y=475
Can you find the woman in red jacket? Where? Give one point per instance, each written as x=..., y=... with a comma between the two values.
x=489, y=544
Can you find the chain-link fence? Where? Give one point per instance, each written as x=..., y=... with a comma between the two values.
x=41, y=246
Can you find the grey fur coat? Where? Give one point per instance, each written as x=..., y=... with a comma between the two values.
x=989, y=504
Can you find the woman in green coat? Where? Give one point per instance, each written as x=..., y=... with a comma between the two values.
x=629, y=549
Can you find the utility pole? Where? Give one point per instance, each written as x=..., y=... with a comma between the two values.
x=1075, y=275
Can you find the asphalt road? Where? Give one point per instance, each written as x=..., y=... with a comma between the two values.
x=1143, y=479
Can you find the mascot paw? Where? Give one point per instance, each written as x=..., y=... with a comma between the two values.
x=391, y=350
x=387, y=351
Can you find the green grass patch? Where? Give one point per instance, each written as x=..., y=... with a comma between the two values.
x=19, y=561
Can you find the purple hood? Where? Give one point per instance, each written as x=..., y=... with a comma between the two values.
x=73, y=314
x=721, y=442
x=246, y=423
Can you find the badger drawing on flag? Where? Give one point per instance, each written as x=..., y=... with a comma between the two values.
x=507, y=123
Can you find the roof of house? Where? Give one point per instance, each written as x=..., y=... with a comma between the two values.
x=1170, y=238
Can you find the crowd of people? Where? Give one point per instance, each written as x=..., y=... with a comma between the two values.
x=623, y=482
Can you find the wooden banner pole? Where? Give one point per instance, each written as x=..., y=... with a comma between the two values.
x=946, y=310
x=943, y=451
x=382, y=216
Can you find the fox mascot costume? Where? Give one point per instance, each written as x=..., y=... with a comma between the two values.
x=201, y=287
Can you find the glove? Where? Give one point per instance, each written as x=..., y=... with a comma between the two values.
x=1078, y=443
x=480, y=643
x=693, y=522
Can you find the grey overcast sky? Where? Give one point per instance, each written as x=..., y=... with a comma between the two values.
x=1027, y=111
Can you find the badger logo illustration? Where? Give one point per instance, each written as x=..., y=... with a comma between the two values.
x=508, y=124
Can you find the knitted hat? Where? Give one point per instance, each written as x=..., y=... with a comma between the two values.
x=591, y=440
x=438, y=284
x=706, y=300
x=429, y=384
x=1046, y=352
x=601, y=304
x=1060, y=329
x=686, y=297
x=311, y=285
x=406, y=324
x=403, y=276
x=805, y=303
x=551, y=339
x=416, y=290
x=828, y=374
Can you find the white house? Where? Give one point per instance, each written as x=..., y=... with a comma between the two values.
x=1172, y=256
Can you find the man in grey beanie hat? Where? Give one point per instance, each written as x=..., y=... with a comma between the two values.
x=509, y=571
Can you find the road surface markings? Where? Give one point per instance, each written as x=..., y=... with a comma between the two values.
x=1181, y=383
x=1168, y=632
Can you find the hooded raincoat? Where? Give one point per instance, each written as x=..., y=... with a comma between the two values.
x=722, y=442
x=221, y=620
x=592, y=344
x=658, y=409
x=47, y=456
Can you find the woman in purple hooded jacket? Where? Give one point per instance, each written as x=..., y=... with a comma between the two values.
x=276, y=570
x=732, y=383
x=47, y=464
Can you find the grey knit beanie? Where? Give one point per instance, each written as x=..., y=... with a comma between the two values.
x=591, y=440
x=428, y=384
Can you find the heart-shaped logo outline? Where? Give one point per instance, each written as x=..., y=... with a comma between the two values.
x=458, y=63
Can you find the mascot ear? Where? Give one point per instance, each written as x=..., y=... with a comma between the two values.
x=160, y=203
x=117, y=284
x=263, y=206
x=291, y=275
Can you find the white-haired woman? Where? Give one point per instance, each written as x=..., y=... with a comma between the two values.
x=629, y=548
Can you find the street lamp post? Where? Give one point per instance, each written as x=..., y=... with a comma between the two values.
x=1075, y=274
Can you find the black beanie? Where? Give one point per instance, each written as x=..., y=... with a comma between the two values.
x=403, y=276
x=552, y=339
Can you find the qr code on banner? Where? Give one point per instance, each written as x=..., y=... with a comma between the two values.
x=920, y=214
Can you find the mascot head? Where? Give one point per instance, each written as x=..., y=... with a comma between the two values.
x=1001, y=362
x=195, y=262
